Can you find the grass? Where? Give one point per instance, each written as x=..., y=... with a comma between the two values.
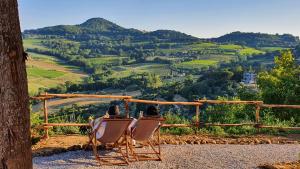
x=194, y=64
x=159, y=69
x=106, y=60
x=33, y=43
x=250, y=51
x=44, y=71
x=271, y=49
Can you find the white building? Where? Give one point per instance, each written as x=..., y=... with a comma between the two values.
x=249, y=78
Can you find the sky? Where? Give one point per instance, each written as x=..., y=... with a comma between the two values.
x=200, y=18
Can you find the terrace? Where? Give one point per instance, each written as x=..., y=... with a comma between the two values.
x=72, y=145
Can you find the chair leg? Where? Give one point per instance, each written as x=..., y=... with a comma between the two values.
x=132, y=150
x=124, y=156
x=158, y=140
x=91, y=137
x=156, y=153
x=95, y=151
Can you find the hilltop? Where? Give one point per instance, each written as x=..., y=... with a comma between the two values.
x=99, y=28
x=259, y=39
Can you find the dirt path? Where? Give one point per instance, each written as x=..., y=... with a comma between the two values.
x=185, y=156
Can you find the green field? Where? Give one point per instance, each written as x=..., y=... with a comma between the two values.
x=33, y=43
x=249, y=51
x=45, y=71
x=106, y=60
x=196, y=64
x=271, y=49
x=123, y=71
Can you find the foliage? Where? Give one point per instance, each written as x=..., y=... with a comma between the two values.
x=259, y=39
x=213, y=84
x=176, y=119
x=282, y=84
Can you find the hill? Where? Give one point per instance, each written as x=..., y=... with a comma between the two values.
x=102, y=29
x=259, y=39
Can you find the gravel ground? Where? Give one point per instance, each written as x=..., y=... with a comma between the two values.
x=185, y=156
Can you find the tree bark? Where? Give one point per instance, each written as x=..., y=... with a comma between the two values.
x=15, y=144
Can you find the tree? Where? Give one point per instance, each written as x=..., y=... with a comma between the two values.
x=153, y=81
x=282, y=84
x=15, y=149
x=297, y=51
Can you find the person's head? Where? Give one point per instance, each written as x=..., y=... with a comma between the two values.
x=152, y=112
x=113, y=111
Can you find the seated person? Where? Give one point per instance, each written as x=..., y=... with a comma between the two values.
x=152, y=112
x=99, y=125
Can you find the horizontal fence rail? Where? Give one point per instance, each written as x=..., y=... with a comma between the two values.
x=198, y=103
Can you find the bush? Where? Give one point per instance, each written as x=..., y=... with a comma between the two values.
x=245, y=130
x=217, y=130
x=178, y=131
x=66, y=130
x=177, y=119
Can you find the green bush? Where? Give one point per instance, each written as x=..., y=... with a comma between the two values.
x=244, y=130
x=217, y=130
x=177, y=119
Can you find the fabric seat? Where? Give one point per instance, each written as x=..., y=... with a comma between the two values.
x=114, y=130
x=143, y=132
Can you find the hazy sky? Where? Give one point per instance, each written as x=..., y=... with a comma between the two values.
x=201, y=18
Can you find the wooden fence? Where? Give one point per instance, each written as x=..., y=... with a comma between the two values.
x=199, y=122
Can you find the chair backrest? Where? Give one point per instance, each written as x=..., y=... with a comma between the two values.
x=114, y=129
x=145, y=128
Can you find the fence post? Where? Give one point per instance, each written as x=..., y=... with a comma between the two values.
x=197, y=115
x=257, y=116
x=46, y=136
x=126, y=108
x=257, y=113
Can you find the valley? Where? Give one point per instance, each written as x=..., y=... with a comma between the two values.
x=101, y=57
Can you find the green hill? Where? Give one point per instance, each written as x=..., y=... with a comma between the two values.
x=104, y=30
x=259, y=39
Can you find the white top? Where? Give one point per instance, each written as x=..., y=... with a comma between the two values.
x=99, y=121
x=95, y=123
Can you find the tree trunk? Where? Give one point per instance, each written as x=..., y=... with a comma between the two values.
x=15, y=144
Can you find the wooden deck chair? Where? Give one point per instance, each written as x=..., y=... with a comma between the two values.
x=144, y=131
x=114, y=130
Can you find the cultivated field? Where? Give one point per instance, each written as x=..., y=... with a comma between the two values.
x=45, y=71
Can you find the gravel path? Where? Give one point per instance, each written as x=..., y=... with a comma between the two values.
x=185, y=156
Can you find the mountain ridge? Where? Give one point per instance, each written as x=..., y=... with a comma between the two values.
x=100, y=27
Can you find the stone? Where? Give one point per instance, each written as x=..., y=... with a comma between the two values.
x=189, y=142
x=203, y=141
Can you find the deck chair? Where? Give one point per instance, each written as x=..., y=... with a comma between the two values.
x=114, y=130
x=144, y=131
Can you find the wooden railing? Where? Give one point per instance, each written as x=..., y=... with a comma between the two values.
x=199, y=122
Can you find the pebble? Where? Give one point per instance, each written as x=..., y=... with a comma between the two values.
x=215, y=156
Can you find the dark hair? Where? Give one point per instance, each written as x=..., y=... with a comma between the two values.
x=152, y=111
x=113, y=111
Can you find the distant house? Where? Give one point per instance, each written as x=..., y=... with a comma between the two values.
x=249, y=78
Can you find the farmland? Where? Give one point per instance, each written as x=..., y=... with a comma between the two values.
x=45, y=71
x=196, y=64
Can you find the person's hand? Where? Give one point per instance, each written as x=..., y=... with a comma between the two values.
x=106, y=115
x=91, y=118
